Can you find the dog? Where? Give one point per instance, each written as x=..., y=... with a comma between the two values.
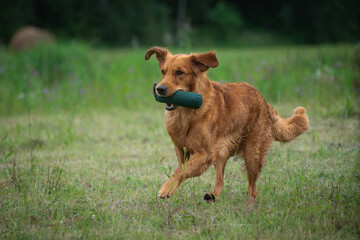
x=234, y=119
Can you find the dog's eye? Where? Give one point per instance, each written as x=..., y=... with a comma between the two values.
x=162, y=72
x=178, y=72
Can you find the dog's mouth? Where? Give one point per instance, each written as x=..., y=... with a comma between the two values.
x=171, y=107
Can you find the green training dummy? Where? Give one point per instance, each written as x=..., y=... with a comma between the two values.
x=180, y=98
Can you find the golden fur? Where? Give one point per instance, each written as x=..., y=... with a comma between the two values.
x=234, y=119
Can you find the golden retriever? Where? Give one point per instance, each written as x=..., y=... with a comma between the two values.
x=234, y=119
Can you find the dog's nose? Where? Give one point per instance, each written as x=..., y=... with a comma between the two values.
x=161, y=89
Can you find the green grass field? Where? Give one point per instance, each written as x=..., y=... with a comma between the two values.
x=84, y=150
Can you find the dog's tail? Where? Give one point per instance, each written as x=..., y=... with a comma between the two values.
x=287, y=129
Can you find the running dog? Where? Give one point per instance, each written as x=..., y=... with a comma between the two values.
x=234, y=119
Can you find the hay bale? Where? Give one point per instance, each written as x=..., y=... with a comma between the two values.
x=30, y=36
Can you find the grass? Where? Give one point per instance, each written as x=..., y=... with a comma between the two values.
x=74, y=77
x=89, y=157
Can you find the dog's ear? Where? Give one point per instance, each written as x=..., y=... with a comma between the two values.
x=204, y=61
x=161, y=54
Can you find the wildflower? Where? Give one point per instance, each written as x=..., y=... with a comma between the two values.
x=337, y=65
x=93, y=217
x=299, y=91
x=212, y=219
x=270, y=69
x=46, y=91
x=21, y=95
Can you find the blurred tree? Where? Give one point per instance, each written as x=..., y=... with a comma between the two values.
x=10, y=21
x=305, y=21
x=147, y=22
x=224, y=22
x=182, y=24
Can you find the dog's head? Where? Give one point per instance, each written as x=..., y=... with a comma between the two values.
x=180, y=71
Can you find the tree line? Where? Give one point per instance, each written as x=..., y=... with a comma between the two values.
x=181, y=22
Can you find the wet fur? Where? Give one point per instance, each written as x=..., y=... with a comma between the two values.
x=234, y=119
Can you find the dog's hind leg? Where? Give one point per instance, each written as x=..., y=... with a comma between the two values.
x=197, y=165
x=252, y=175
x=255, y=152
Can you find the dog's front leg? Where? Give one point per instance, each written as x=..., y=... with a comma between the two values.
x=219, y=180
x=180, y=155
x=197, y=164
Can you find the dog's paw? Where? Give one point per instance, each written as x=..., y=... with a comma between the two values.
x=168, y=189
x=250, y=201
x=209, y=197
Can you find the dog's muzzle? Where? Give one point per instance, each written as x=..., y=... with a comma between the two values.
x=168, y=106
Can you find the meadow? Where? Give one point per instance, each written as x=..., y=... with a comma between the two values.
x=84, y=150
